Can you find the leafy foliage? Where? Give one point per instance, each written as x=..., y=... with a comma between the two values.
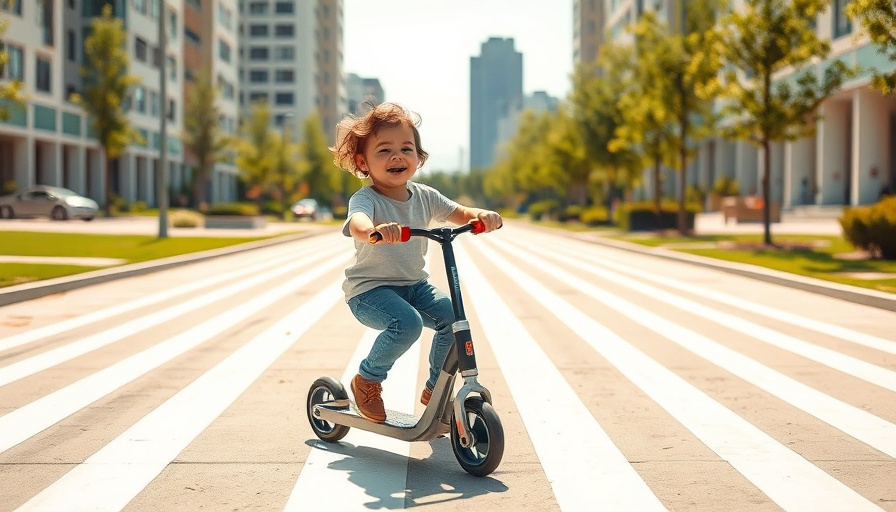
x=202, y=132
x=872, y=228
x=878, y=19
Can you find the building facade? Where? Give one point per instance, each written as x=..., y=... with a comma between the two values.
x=851, y=160
x=496, y=86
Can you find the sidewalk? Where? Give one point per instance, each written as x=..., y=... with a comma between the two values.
x=712, y=223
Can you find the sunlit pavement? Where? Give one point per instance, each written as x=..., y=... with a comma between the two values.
x=150, y=226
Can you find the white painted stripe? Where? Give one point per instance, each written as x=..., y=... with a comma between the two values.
x=586, y=470
x=33, y=418
x=32, y=365
x=847, y=364
x=331, y=476
x=267, y=260
x=860, y=424
x=783, y=475
x=825, y=328
x=113, y=476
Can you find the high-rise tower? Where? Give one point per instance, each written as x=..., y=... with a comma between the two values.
x=496, y=84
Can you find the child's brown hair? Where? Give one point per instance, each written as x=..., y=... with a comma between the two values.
x=352, y=133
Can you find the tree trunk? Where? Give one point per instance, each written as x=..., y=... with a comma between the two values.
x=657, y=192
x=107, y=164
x=682, y=190
x=766, y=190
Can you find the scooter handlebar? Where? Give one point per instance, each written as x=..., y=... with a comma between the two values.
x=474, y=226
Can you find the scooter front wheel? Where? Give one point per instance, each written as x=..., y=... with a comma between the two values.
x=484, y=455
x=322, y=391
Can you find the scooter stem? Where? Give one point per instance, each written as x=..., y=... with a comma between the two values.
x=471, y=385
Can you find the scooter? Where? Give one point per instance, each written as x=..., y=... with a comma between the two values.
x=477, y=437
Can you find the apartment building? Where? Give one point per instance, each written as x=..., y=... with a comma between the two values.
x=332, y=93
x=496, y=86
x=851, y=160
x=362, y=94
x=587, y=30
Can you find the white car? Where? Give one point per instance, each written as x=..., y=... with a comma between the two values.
x=43, y=201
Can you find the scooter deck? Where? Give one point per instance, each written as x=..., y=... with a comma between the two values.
x=403, y=421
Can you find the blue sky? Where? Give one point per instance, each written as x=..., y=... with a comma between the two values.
x=420, y=51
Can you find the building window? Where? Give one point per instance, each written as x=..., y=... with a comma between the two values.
x=283, y=98
x=154, y=103
x=140, y=6
x=14, y=68
x=172, y=68
x=43, y=75
x=258, y=53
x=842, y=25
x=192, y=37
x=258, y=30
x=258, y=76
x=284, y=30
x=258, y=96
x=71, y=49
x=258, y=8
x=172, y=108
x=140, y=99
x=223, y=51
x=284, y=76
x=284, y=7
x=284, y=53
x=140, y=49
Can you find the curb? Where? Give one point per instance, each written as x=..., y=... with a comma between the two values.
x=38, y=289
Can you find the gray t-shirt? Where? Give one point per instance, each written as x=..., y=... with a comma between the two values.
x=393, y=264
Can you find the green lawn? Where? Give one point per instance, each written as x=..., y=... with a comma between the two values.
x=133, y=248
x=823, y=257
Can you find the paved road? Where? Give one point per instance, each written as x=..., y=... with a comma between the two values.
x=624, y=382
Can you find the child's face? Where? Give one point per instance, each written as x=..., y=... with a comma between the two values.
x=390, y=156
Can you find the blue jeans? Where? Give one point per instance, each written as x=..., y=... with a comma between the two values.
x=401, y=312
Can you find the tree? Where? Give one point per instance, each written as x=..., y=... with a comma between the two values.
x=255, y=150
x=323, y=178
x=11, y=93
x=107, y=84
x=285, y=168
x=777, y=94
x=878, y=18
x=202, y=132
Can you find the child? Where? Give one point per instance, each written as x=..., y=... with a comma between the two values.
x=386, y=288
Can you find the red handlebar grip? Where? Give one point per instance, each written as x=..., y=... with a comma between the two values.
x=478, y=227
x=405, y=233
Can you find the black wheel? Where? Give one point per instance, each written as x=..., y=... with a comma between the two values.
x=59, y=213
x=484, y=455
x=6, y=212
x=324, y=390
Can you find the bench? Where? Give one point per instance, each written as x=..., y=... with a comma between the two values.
x=748, y=209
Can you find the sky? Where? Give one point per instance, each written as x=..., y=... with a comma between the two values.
x=420, y=51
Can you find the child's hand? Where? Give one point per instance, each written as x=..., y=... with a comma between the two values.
x=390, y=233
x=491, y=220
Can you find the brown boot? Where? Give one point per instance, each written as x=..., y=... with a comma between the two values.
x=367, y=397
x=427, y=394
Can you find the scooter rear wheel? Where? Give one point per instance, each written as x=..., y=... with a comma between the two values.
x=484, y=455
x=322, y=391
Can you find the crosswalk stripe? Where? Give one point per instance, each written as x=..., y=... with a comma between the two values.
x=784, y=476
x=828, y=329
x=32, y=365
x=113, y=476
x=589, y=474
x=26, y=421
x=96, y=316
x=328, y=480
x=849, y=365
x=864, y=426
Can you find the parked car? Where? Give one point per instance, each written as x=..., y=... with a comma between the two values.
x=44, y=201
x=305, y=208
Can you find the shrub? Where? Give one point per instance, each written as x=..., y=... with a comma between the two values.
x=340, y=212
x=185, y=219
x=642, y=215
x=725, y=186
x=139, y=206
x=274, y=208
x=594, y=215
x=545, y=208
x=238, y=209
x=872, y=228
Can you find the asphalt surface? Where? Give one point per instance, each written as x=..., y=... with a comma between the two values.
x=708, y=223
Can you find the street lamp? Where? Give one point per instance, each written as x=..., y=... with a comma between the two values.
x=162, y=176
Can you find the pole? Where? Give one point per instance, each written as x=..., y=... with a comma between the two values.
x=162, y=175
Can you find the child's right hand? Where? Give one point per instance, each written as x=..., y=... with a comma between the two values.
x=390, y=233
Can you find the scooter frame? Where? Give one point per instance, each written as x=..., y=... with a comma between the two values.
x=436, y=418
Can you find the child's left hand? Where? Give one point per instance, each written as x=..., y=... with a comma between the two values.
x=491, y=220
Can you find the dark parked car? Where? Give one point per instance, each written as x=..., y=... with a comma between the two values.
x=43, y=201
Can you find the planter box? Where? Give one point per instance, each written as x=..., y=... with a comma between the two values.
x=748, y=209
x=234, y=222
x=646, y=220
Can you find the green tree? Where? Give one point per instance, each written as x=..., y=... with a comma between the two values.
x=11, y=93
x=284, y=168
x=598, y=116
x=107, y=85
x=878, y=18
x=202, y=132
x=317, y=170
x=762, y=40
x=255, y=150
